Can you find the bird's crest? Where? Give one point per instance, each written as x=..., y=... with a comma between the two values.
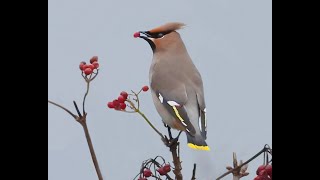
x=172, y=26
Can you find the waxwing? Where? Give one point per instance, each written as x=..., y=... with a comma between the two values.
x=176, y=84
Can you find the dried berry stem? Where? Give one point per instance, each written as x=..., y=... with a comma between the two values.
x=238, y=167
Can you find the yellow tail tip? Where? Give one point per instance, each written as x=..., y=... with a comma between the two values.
x=203, y=148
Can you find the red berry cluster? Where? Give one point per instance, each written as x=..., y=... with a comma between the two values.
x=164, y=169
x=88, y=68
x=119, y=103
x=264, y=172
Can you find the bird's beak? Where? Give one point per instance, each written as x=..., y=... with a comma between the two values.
x=142, y=34
x=146, y=35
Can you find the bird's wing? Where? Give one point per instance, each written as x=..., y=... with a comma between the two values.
x=198, y=86
x=173, y=98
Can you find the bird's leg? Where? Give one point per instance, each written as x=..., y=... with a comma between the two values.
x=172, y=140
x=169, y=132
x=165, y=140
x=175, y=140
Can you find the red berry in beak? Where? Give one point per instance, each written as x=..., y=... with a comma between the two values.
x=136, y=34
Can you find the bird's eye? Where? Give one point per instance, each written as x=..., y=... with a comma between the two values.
x=160, y=35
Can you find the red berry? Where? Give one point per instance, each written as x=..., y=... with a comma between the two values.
x=110, y=105
x=122, y=106
x=167, y=168
x=136, y=34
x=95, y=64
x=142, y=178
x=91, y=66
x=145, y=88
x=124, y=94
x=85, y=66
x=82, y=65
x=116, y=103
x=161, y=171
x=93, y=59
x=260, y=168
x=258, y=178
x=263, y=173
x=88, y=71
x=269, y=170
x=147, y=172
x=121, y=99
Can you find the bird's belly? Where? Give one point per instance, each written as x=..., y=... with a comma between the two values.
x=173, y=123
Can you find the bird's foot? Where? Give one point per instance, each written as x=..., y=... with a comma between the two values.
x=172, y=141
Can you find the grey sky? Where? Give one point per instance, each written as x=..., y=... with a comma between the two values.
x=229, y=42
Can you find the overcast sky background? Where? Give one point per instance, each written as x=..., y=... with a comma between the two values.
x=229, y=42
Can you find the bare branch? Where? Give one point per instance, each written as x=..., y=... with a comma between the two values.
x=93, y=155
x=238, y=167
x=73, y=115
x=77, y=109
x=194, y=172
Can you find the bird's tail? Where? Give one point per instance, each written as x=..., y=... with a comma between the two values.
x=197, y=142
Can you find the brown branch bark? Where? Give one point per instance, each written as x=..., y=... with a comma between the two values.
x=174, y=148
x=194, y=172
x=93, y=155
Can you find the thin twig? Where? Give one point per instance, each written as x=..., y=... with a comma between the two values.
x=151, y=125
x=84, y=97
x=77, y=109
x=238, y=167
x=73, y=115
x=194, y=172
x=137, y=96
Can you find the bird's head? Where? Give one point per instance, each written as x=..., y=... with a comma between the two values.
x=162, y=36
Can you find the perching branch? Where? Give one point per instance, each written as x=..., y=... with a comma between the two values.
x=172, y=143
x=194, y=172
